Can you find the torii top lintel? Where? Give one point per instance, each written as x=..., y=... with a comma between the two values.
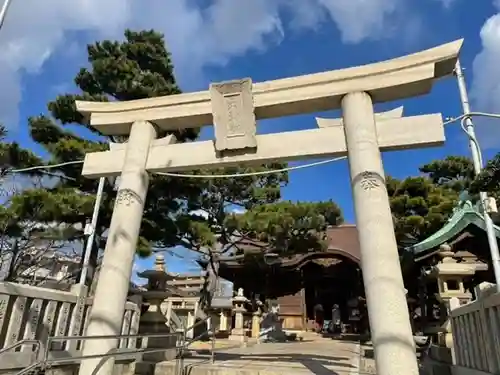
x=394, y=79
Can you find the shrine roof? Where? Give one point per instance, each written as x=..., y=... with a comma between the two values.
x=465, y=215
x=342, y=241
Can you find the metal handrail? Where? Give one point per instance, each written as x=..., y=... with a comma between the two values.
x=125, y=351
x=116, y=353
x=31, y=367
x=115, y=337
x=17, y=344
x=212, y=342
x=101, y=337
x=46, y=362
x=186, y=342
x=194, y=339
x=198, y=323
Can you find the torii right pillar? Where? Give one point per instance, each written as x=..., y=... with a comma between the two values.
x=388, y=312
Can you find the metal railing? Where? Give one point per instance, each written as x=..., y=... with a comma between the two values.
x=36, y=343
x=181, y=345
x=211, y=332
x=46, y=362
x=17, y=344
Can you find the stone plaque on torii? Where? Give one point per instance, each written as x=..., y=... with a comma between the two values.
x=233, y=108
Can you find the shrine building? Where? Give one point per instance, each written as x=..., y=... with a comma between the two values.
x=302, y=281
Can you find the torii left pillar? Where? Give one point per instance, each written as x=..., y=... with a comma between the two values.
x=110, y=297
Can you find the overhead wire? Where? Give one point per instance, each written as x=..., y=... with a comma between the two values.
x=249, y=174
x=49, y=166
x=460, y=118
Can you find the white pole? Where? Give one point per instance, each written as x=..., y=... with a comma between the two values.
x=3, y=12
x=93, y=224
x=81, y=290
x=477, y=160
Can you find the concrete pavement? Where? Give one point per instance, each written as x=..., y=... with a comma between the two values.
x=314, y=355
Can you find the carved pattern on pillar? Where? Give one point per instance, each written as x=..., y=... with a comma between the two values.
x=370, y=180
x=127, y=197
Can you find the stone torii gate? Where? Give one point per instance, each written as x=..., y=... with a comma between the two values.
x=233, y=107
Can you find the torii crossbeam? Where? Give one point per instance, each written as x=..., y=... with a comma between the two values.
x=165, y=156
x=233, y=108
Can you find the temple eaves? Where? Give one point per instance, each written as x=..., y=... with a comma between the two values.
x=465, y=214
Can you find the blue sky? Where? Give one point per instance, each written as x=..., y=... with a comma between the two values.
x=264, y=39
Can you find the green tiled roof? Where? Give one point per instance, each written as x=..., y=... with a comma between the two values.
x=465, y=214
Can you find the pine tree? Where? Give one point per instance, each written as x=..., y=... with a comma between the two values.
x=135, y=68
x=22, y=240
x=138, y=67
x=489, y=179
x=454, y=172
x=419, y=207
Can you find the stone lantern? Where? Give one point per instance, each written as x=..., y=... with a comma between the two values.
x=450, y=275
x=238, y=332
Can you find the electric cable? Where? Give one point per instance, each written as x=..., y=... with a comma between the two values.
x=49, y=166
x=249, y=174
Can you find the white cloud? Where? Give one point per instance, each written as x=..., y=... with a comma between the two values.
x=34, y=30
x=485, y=92
x=359, y=19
